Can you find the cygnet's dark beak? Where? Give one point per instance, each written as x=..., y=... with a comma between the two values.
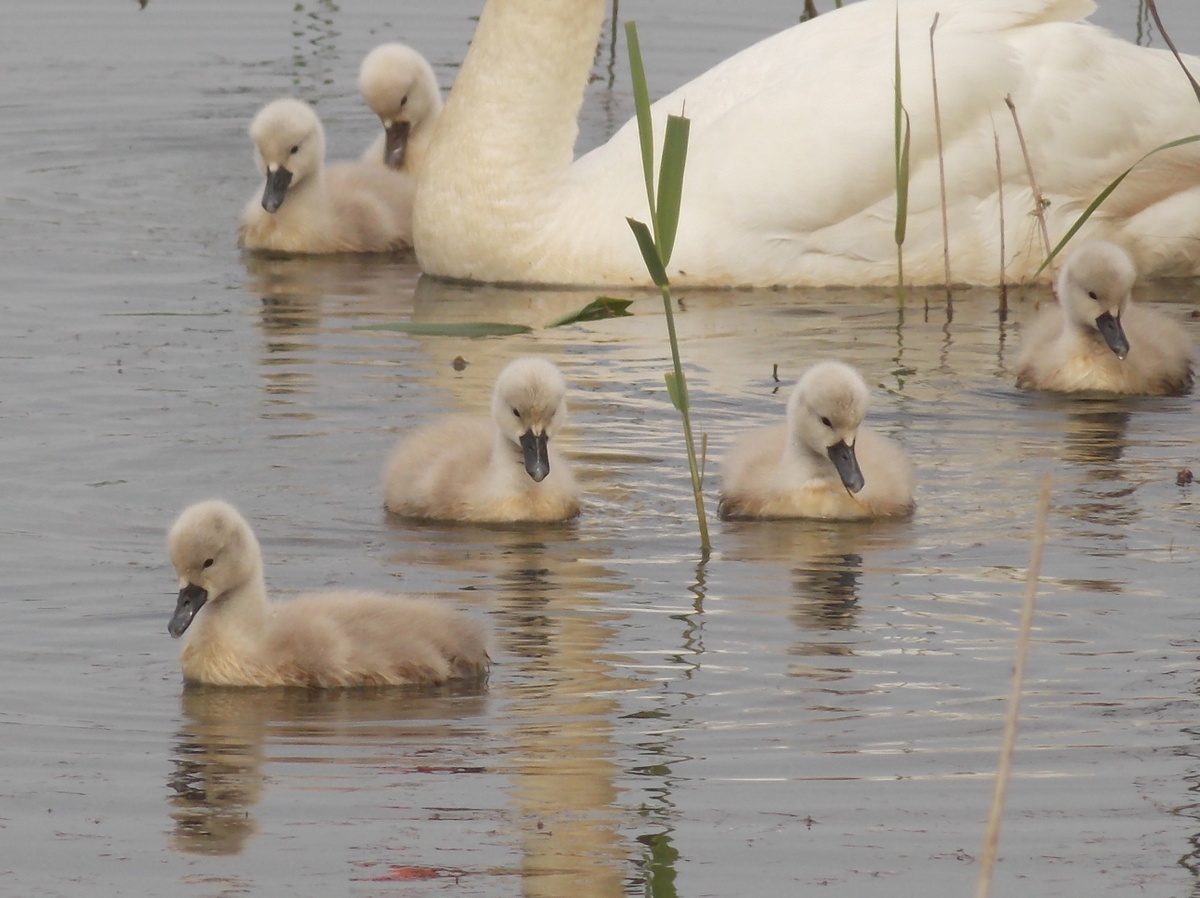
x=537, y=454
x=191, y=600
x=395, y=144
x=1113, y=334
x=276, y=189
x=843, y=458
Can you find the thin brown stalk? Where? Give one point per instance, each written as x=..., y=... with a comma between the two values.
x=937, y=121
x=1000, y=199
x=1038, y=199
x=1171, y=44
x=991, y=837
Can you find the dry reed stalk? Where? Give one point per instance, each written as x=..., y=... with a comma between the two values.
x=903, y=145
x=1000, y=198
x=1038, y=199
x=1171, y=44
x=937, y=121
x=991, y=837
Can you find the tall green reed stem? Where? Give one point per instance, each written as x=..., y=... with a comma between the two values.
x=657, y=242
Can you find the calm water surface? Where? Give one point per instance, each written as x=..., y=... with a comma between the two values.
x=815, y=710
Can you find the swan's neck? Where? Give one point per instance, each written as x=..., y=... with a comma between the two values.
x=305, y=196
x=505, y=139
x=805, y=462
x=507, y=466
x=240, y=615
x=418, y=146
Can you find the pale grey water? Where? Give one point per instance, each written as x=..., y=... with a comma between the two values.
x=815, y=710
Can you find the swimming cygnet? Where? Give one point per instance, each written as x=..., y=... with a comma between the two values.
x=399, y=85
x=502, y=469
x=239, y=638
x=1096, y=340
x=821, y=463
x=310, y=207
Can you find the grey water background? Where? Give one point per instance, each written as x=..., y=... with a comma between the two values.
x=815, y=710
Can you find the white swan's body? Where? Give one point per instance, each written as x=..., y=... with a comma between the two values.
x=399, y=86
x=238, y=638
x=499, y=469
x=311, y=207
x=790, y=168
x=821, y=463
x=1096, y=340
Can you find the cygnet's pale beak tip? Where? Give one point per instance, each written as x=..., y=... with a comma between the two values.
x=395, y=145
x=842, y=455
x=276, y=189
x=1110, y=329
x=535, y=447
x=191, y=600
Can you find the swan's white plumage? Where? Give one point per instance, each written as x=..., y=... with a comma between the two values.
x=400, y=87
x=463, y=468
x=791, y=158
x=787, y=471
x=343, y=207
x=1064, y=350
x=236, y=637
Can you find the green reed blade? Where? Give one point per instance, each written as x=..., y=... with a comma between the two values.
x=641, y=105
x=677, y=390
x=599, y=308
x=1104, y=194
x=654, y=264
x=670, y=183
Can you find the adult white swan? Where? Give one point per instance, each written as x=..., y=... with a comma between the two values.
x=790, y=168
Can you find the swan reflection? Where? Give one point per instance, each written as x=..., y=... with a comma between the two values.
x=227, y=734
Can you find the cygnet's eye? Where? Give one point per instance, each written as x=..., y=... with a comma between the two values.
x=404, y=101
x=1092, y=294
x=208, y=562
x=516, y=414
x=826, y=421
x=295, y=149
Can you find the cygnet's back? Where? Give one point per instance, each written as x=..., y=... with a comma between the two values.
x=1096, y=340
x=497, y=470
x=308, y=207
x=821, y=463
x=236, y=637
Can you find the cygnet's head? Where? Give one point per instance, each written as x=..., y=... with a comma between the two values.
x=1095, y=287
x=824, y=412
x=529, y=404
x=214, y=552
x=289, y=146
x=399, y=85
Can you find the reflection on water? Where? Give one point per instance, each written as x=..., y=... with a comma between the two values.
x=228, y=734
x=817, y=704
x=1095, y=439
x=641, y=698
x=315, y=57
x=554, y=633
